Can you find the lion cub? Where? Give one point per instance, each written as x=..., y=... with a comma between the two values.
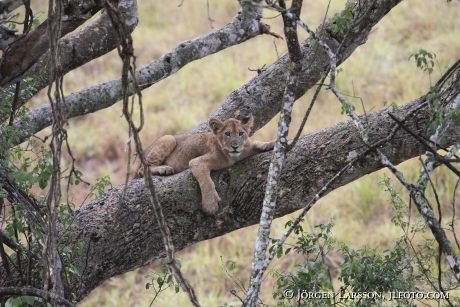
x=227, y=144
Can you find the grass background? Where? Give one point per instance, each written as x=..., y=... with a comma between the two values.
x=378, y=71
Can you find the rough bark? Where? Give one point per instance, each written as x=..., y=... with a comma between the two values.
x=262, y=95
x=8, y=36
x=24, y=52
x=120, y=236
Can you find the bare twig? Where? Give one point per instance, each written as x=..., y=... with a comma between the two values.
x=307, y=113
x=428, y=147
x=209, y=14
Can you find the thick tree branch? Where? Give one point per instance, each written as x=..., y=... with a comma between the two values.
x=23, y=53
x=263, y=94
x=93, y=41
x=118, y=238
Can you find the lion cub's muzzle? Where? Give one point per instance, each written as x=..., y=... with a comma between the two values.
x=234, y=151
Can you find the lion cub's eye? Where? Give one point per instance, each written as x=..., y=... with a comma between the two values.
x=227, y=133
x=241, y=133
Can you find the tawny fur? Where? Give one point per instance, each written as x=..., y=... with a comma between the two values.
x=227, y=144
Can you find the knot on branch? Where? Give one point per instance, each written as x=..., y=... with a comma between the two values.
x=265, y=29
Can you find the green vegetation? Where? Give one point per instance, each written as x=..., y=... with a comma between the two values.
x=378, y=71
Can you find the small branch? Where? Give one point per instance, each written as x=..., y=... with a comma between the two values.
x=259, y=70
x=437, y=156
x=265, y=29
x=209, y=14
x=14, y=194
x=307, y=114
x=452, y=222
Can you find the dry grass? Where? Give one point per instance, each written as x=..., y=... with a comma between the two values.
x=378, y=71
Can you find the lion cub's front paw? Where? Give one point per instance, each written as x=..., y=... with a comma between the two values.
x=162, y=170
x=211, y=203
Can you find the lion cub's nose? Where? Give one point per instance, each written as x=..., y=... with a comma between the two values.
x=235, y=146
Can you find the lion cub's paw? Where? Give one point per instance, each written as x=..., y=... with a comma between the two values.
x=162, y=170
x=211, y=203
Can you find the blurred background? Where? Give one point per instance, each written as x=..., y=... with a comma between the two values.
x=379, y=72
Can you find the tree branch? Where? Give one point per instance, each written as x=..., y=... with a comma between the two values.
x=24, y=52
x=93, y=41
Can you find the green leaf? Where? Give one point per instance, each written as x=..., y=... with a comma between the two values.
x=29, y=300
x=14, y=302
x=35, y=23
x=42, y=184
x=279, y=253
x=160, y=282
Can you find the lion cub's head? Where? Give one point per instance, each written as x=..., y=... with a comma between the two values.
x=232, y=134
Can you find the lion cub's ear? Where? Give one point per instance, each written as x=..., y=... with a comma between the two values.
x=248, y=122
x=215, y=125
